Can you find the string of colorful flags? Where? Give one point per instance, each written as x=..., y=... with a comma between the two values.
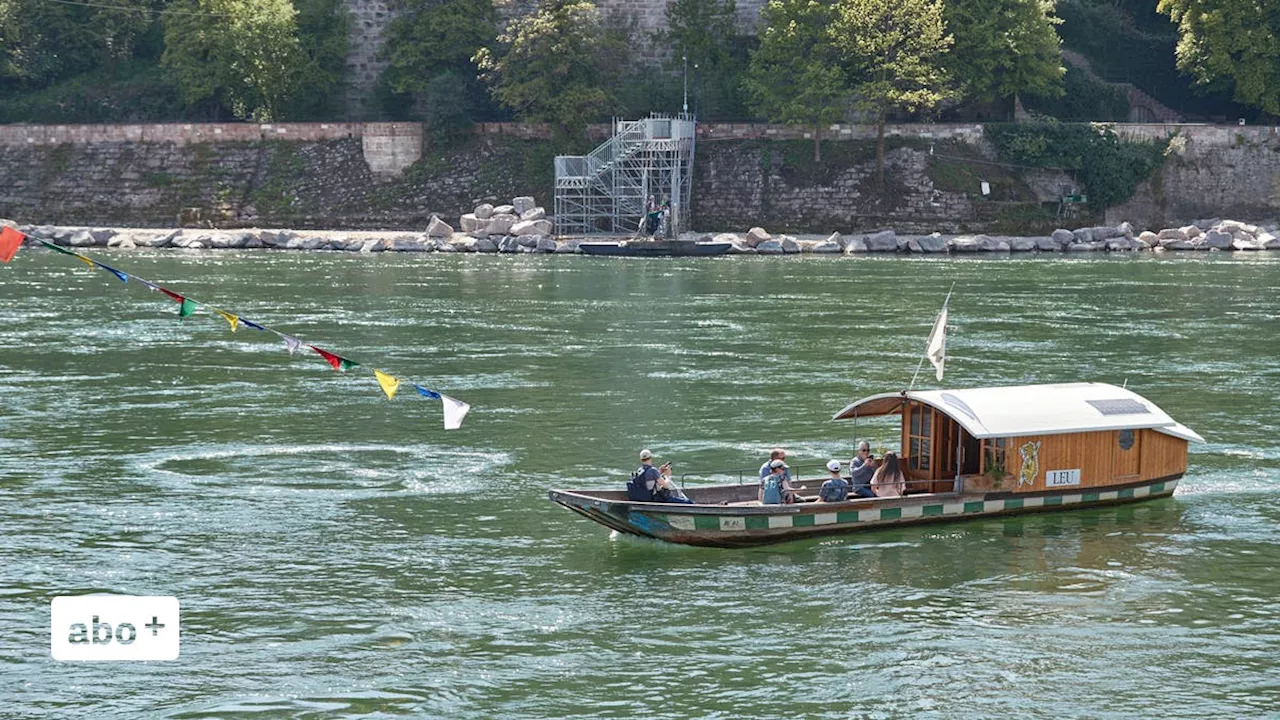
x=454, y=410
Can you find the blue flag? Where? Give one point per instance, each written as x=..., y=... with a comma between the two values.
x=427, y=393
x=251, y=324
x=123, y=278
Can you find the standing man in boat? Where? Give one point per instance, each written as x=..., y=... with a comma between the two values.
x=775, y=454
x=650, y=484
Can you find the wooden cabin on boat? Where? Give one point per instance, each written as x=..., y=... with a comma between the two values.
x=1031, y=438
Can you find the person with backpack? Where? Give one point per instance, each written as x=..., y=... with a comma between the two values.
x=835, y=489
x=775, y=488
x=651, y=484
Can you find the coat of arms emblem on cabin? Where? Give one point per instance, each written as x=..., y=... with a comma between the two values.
x=1030, y=452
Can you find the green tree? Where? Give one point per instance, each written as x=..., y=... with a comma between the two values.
x=1004, y=48
x=700, y=35
x=1231, y=41
x=430, y=49
x=795, y=76
x=322, y=39
x=248, y=57
x=43, y=42
x=552, y=65
x=893, y=53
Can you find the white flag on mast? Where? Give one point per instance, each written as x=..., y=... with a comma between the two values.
x=454, y=411
x=937, y=349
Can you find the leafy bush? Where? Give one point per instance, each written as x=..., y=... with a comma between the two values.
x=131, y=92
x=1109, y=168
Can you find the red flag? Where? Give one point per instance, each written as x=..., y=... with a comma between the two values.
x=170, y=293
x=338, y=362
x=10, y=241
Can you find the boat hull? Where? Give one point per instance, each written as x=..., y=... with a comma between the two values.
x=745, y=526
x=655, y=248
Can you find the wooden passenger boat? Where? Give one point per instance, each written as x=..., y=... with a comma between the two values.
x=977, y=452
x=655, y=248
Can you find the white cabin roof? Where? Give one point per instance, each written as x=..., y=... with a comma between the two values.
x=1021, y=410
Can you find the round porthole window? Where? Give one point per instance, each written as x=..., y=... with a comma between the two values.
x=1126, y=439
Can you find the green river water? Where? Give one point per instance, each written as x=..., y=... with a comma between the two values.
x=340, y=555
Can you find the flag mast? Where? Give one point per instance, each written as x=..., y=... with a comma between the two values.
x=936, y=347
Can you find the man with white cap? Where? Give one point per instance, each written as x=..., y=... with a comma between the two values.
x=651, y=484
x=835, y=489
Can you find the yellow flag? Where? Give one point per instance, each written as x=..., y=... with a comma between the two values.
x=86, y=261
x=231, y=319
x=389, y=384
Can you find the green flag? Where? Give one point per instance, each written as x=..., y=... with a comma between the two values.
x=187, y=307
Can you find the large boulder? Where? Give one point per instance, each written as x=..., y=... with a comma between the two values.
x=789, y=244
x=1082, y=235
x=1172, y=234
x=102, y=236
x=770, y=247
x=990, y=244
x=504, y=210
x=1191, y=232
x=1125, y=229
x=484, y=211
x=883, y=241
x=438, y=228
x=1063, y=237
x=1245, y=245
x=757, y=235
x=469, y=223
x=1178, y=244
x=536, y=213
x=81, y=238
x=532, y=227
x=1048, y=244
x=964, y=244
x=1218, y=239
x=1023, y=244
x=934, y=243
x=855, y=245
x=508, y=244
x=1122, y=244
x=827, y=247
x=836, y=238
x=523, y=204
x=1149, y=238
x=741, y=248
x=501, y=223
x=411, y=244
x=485, y=245
x=1267, y=240
x=568, y=247
x=1085, y=247
x=1207, y=224
x=728, y=237
x=546, y=244
x=1103, y=232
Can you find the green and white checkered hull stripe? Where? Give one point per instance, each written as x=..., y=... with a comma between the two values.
x=892, y=515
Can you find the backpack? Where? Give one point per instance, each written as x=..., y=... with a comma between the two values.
x=773, y=490
x=637, y=488
x=834, y=490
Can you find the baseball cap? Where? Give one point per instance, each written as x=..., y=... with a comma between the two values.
x=833, y=465
x=777, y=464
x=646, y=454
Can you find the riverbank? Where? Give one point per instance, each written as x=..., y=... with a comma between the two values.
x=1204, y=235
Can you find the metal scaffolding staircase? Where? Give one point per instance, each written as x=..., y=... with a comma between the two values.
x=606, y=191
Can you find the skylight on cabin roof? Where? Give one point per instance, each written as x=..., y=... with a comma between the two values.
x=1122, y=406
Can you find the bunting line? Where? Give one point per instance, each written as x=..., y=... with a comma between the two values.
x=454, y=410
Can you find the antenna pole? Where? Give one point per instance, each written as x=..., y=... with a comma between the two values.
x=926, y=347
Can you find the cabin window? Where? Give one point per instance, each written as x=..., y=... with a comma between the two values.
x=994, y=455
x=919, y=435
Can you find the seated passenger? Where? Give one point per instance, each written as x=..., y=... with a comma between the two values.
x=649, y=484
x=775, y=454
x=835, y=489
x=888, y=480
x=861, y=468
x=775, y=488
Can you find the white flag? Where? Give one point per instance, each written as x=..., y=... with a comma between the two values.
x=454, y=411
x=937, y=350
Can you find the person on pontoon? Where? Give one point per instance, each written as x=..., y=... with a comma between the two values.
x=861, y=468
x=651, y=484
x=775, y=488
x=888, y=480
x=836, y=488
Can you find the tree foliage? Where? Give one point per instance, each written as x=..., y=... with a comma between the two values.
x=702, y=37
x=430, y=47
x=553, y=65
x=795, y=76
x=1233, y=41
x=249, y=59
x=1004, y=48
x=42, y=42
x=892, y=52
x=1109, y=168
x=323, y=27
